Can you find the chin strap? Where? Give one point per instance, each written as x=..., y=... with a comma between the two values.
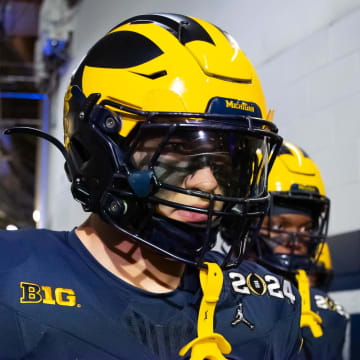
x=208, y=345
x=308, y=317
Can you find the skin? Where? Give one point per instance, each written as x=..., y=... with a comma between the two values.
x=138, y=265
x=202, y=180
x=291, y=223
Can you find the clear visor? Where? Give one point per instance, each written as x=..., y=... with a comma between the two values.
x=285, y=242
x=226, y=163
x=296, y=224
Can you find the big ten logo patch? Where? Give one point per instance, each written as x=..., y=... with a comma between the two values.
x=34, y=293
x=255, y=284
x=326, y=303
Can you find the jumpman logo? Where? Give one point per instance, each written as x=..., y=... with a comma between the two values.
x=239, y=317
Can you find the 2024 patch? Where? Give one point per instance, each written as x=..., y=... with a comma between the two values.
x=255, y=284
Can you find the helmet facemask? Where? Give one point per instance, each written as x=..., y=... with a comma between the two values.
x=301, y=246
x=147, y=193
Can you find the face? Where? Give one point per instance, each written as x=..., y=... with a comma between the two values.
x=217, y=162
x=188, y=171
x=289, y=233
x=203, y=180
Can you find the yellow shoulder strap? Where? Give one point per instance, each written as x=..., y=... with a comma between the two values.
x=208, y=345
x=308, y=317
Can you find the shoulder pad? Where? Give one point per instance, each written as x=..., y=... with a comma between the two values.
x=321, y=301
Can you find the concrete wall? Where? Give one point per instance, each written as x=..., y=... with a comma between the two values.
x=314, y=84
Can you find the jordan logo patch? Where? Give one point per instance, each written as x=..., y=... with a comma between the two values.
x=240, y=318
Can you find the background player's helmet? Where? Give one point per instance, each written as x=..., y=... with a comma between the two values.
x=296, y=186
x=163, y=84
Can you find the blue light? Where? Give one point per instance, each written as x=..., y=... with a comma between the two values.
x=55, y=48
x=16, y=95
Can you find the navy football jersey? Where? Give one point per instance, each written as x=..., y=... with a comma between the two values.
x=58, y=302
x=334, y=321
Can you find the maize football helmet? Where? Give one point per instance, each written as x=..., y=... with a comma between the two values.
x=296, y=187
x=156, y=99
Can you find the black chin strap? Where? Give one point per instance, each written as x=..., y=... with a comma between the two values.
x=25, y=130
x=38, y=133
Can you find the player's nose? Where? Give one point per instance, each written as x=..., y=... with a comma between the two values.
x=202, y=179
x=295, y=246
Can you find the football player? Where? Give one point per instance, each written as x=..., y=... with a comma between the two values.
x=166, y=142
x=292, y=242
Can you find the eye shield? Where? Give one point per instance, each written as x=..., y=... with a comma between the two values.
x=237, y=161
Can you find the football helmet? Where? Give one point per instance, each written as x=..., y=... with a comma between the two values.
x=296, y=187
x=157, y=99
